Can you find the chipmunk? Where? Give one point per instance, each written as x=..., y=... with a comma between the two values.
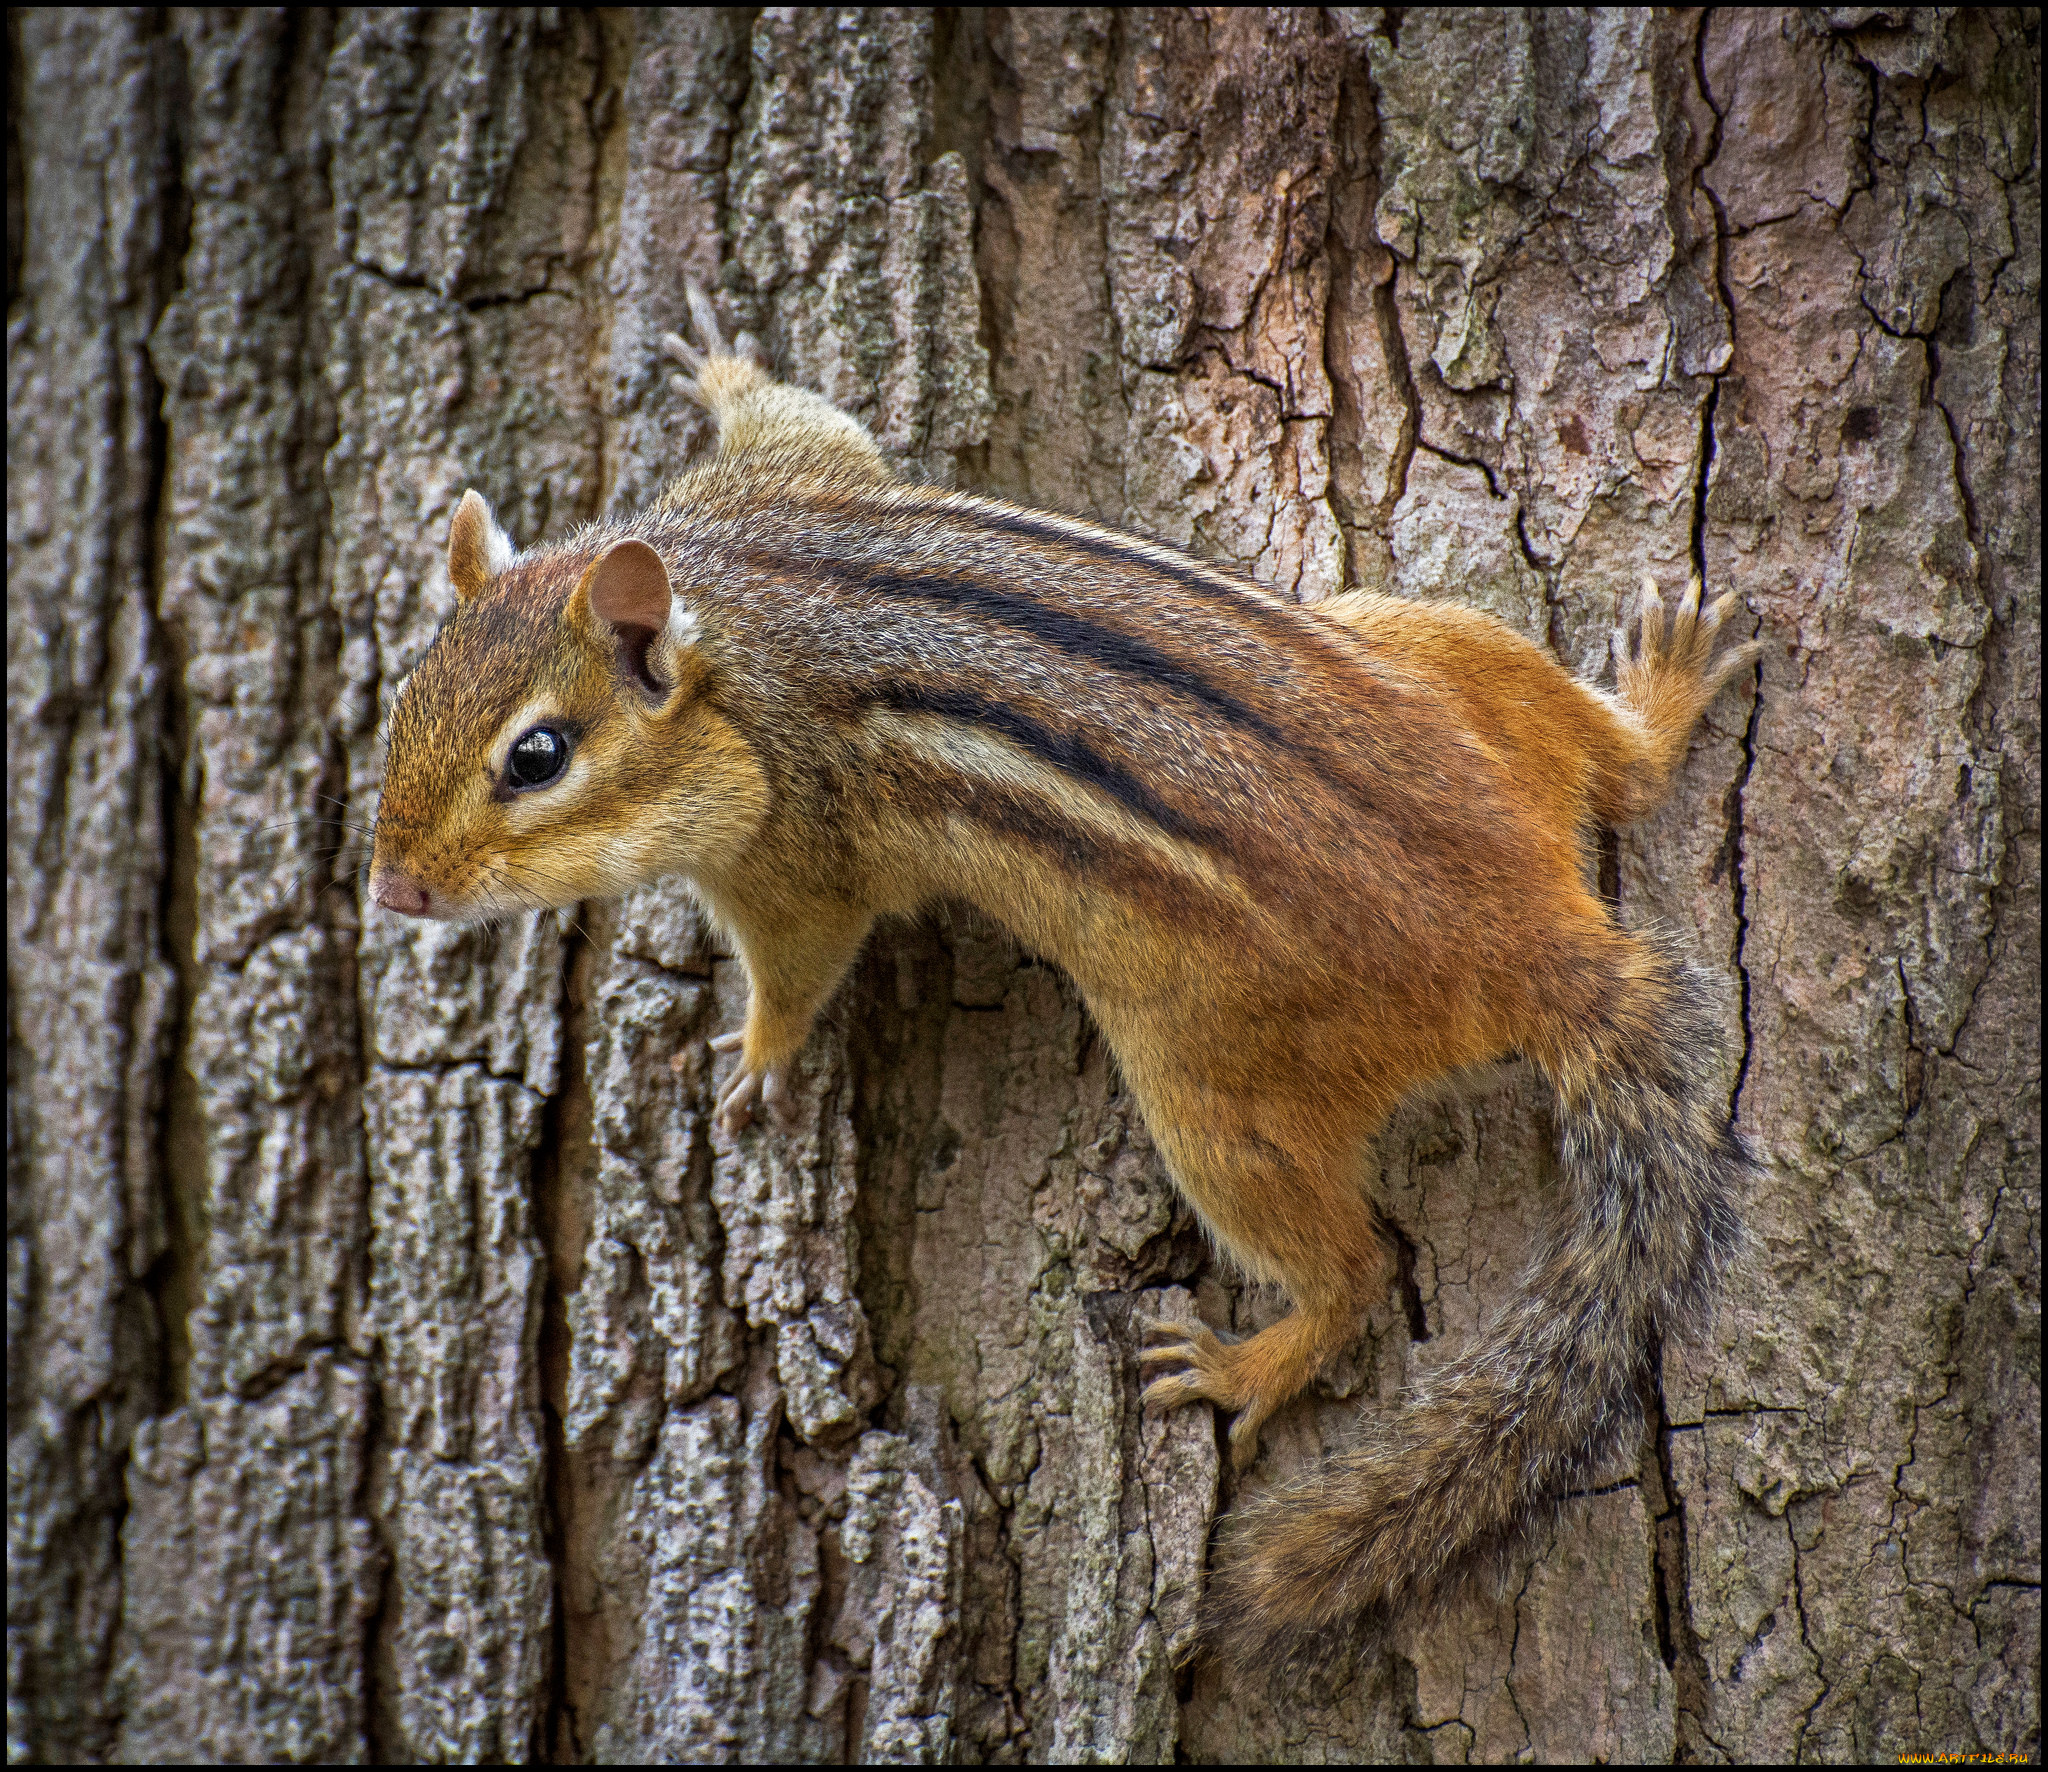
x=1299, y=860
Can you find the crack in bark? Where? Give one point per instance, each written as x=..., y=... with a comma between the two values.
x=473, y=304
x=170, y=1283
x=174, y=1278
x=608, y=136
x=1820, y=1672
x=1113, y=53
x=1614, y=1488
x=1387, y=317
x=1702, y=491
x=1386, y=306
x=1514, y=1649
x=1740, y=888
x=1678, y=1643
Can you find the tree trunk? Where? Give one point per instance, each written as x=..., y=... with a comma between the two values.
x=399, y=1366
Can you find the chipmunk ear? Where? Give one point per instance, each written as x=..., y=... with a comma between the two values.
x=478, y=550
x=625, y=593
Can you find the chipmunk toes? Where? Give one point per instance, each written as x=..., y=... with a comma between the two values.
x=1202, y=1368
x=749, y=1088
x=1681, y=639
x=677, y=348
x=735, y=1109
x=1198, y=1364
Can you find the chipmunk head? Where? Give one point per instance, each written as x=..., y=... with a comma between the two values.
x=557, y=741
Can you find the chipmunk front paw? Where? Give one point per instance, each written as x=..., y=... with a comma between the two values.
x=742, y=362
x=767, y=1085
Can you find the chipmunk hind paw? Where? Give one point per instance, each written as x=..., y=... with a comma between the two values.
x=1655, y=646
x=1201, y=1367
x=719, y=373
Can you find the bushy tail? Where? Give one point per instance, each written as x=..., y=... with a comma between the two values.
x=1484, y=1448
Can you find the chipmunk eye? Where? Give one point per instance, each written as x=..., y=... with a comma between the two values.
x=537, y=758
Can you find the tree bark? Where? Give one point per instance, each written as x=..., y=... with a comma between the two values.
x=400, y=1368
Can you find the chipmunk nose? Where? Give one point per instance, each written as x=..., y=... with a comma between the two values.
x=398, y=892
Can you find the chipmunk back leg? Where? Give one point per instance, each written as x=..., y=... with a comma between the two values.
x=1643, y=1221
x=1296, y=1216
x=1664, y=681
x=766, y=428
x=1577, y=752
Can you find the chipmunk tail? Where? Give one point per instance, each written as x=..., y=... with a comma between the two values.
x=1449, y=1486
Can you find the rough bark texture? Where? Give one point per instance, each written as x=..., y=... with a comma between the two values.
x=399, y=1366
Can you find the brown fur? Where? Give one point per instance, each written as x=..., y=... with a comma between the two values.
x=1299, y=861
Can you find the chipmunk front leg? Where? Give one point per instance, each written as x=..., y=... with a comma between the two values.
x=792, y=971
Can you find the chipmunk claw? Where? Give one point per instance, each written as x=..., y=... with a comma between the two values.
x=1190, y=1343
x=1244, y=1438
x=1170, y=1390
x=682, y=351
x=1194, y=1357
x=704, y=316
